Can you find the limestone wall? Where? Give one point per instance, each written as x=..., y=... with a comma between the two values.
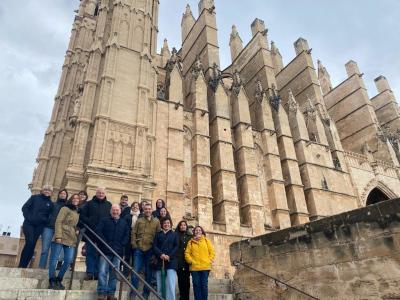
x=354, y=255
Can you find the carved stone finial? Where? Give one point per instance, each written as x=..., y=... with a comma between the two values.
x=274, y=49
x=236, y=83
x=160, y=91
x=197, y=67
x=292, y=104
x=274, y=99
x=165, y=44
x=215, y=78
x=173, y=60
x=260, y=92
x=310, y=111
x=234, y=30
x=188, y=10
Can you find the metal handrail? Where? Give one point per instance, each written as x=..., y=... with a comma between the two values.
x=237, y=263
x=158, y=296
x=114, y=268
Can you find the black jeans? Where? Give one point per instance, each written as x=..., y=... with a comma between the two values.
x=183, y=283
x=31, y=234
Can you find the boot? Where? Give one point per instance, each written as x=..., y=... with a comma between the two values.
x=52, y=284
x=59, y=284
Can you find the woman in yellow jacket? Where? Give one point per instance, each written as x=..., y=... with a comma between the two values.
x=200, y=254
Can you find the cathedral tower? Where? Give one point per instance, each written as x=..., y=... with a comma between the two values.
x=102, y=130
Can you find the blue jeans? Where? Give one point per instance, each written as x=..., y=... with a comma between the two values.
x=47, y=237
x=107, y=283
x=142, y=259
x=200, y=284
x=69, y=253
x=92, y=260
x=170, y=283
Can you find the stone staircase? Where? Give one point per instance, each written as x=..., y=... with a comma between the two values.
x=31, y=284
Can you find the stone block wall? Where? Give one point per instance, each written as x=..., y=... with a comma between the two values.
x=353, y=255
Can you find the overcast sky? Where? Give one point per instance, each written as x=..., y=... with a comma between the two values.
x=34, y=37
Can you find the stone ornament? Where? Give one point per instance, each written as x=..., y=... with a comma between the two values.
x=237, y=83
x=275, y=98
x=215, y=78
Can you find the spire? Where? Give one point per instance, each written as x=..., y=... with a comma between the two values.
x=187, y=22
x=301, y=45
x=165, y=53
x=324, y=78
x=206, y=4
x=276, y=58
x=274, y=49
x=257, y=26
x=382, y=84
x=165, y=48
x=235, y=43
x=352, y=68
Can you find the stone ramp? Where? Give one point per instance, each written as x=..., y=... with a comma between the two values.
x=24, y=284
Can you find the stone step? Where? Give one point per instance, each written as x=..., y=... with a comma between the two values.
x=14, y=278
x=42, y=294
x=33, y=283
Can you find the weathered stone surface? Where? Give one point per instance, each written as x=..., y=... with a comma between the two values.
x=348, y=256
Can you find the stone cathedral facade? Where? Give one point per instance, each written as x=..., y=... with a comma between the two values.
x=253, y=148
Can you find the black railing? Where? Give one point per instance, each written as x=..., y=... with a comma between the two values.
x=116, y=268
x=236, y=263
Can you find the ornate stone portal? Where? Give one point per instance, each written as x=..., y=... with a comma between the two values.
x=251, y=149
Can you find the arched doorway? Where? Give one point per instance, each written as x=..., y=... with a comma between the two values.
x=375, y=196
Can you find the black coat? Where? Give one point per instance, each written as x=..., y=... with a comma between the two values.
x=115, y=233
x=53, y=217
x=183, y=238
x=166, y=243
x=95, y=210
x=37, y=210
x=92, y=212
x=126, y=211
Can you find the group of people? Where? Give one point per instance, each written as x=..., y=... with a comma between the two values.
x=143, y=237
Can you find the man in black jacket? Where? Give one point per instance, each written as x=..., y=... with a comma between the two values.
x=91, y=215
x=36, y=213
x=115, y=232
